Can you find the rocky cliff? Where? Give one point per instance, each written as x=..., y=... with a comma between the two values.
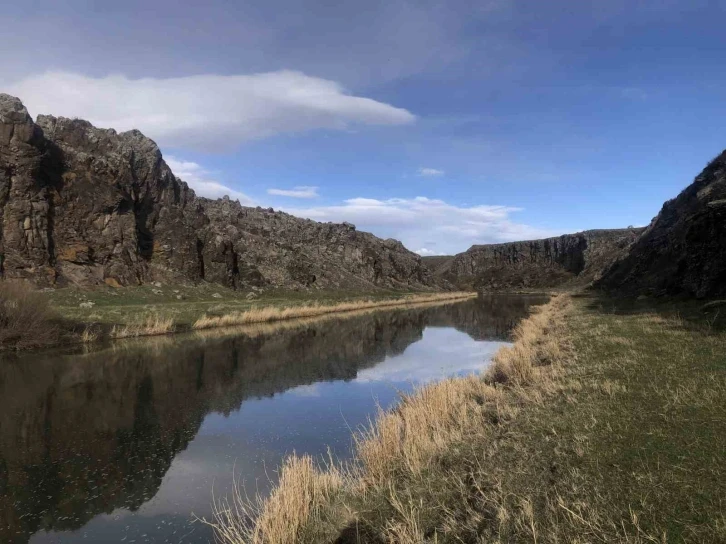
x=550, y=262
x=683, y=251
x=85, y=206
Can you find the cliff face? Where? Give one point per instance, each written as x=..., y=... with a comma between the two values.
x=87, y=206
x=571, y=258
x=683, y=251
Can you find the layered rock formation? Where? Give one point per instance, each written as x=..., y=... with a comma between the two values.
x=85, y=206
x=683, y=251
x=551, y=262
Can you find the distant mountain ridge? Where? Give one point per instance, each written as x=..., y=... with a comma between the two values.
x=570, y=259
x=88, y=206
x=681, y=253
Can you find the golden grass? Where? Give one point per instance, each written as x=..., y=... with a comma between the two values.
x=147, y=325
x=401, y=449
x=432, y=418
x=272, y=313
x=538, y=343
x=271, y=327
x=90, y=334
x=296, y=505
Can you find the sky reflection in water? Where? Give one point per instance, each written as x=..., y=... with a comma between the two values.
x=128, y=443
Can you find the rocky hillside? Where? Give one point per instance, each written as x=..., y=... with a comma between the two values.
x=86, y=206
x=683, y=251
x=568, y=259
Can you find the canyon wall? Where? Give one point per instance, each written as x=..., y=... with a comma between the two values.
x=550, y=262
x=683, y=251
x=87, y=206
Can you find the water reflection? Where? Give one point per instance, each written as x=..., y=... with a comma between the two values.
x=127, y=442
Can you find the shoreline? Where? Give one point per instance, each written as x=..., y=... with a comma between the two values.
x=555, y=442
x=402, y=446
x=162, y=323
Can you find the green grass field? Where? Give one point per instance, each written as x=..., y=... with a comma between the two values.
x=184, y=304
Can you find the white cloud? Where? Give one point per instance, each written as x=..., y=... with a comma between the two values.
x=430, y=172
x=425, y=252
x=198, y=179
x=299, y=191
x=205, y=111
x=433, y=225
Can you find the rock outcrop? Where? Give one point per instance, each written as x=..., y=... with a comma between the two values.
x=86, y=206
x=550, y=262
x=683, y=251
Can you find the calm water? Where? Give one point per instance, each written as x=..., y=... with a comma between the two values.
x=128, y=443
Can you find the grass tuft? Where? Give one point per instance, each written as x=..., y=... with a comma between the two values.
x=290, y=515
x=148, y=325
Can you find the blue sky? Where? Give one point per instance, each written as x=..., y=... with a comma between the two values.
x=442, y=124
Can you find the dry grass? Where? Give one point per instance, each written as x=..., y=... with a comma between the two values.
x=538, y=343
x=271, y=327
x=26, y=320
x=147, y=325
x=624, y=446
x=271, y=313
x=90, y=334
x=425, y=423
x=386, y=495
x=296, y=505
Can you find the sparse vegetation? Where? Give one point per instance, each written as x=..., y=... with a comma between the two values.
x=147, y=325
x=597, y=425
x=26, y=320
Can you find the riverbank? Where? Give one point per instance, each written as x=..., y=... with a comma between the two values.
x=604, y=422
x=34, y=319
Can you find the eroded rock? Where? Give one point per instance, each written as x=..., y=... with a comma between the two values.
x=88, y=206
x=551, y=262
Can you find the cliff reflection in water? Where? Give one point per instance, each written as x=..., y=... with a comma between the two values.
x=87, y=434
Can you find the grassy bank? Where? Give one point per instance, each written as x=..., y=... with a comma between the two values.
x=31, y=319
x=268, y=314
x=603, y=423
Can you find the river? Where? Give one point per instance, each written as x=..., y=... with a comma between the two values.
x=129, y=442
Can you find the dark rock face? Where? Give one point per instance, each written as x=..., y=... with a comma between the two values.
x=87, y=206
x=683, y=251
x=551, y=262
x=288, y=250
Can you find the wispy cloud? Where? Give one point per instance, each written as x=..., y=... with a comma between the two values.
x=432, y=226
x=430, y=172
x=200, y=180
x=208, y=112
x=426, y=252
x=299, y=191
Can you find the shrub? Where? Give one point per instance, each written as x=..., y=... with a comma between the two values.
x=26, y=319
